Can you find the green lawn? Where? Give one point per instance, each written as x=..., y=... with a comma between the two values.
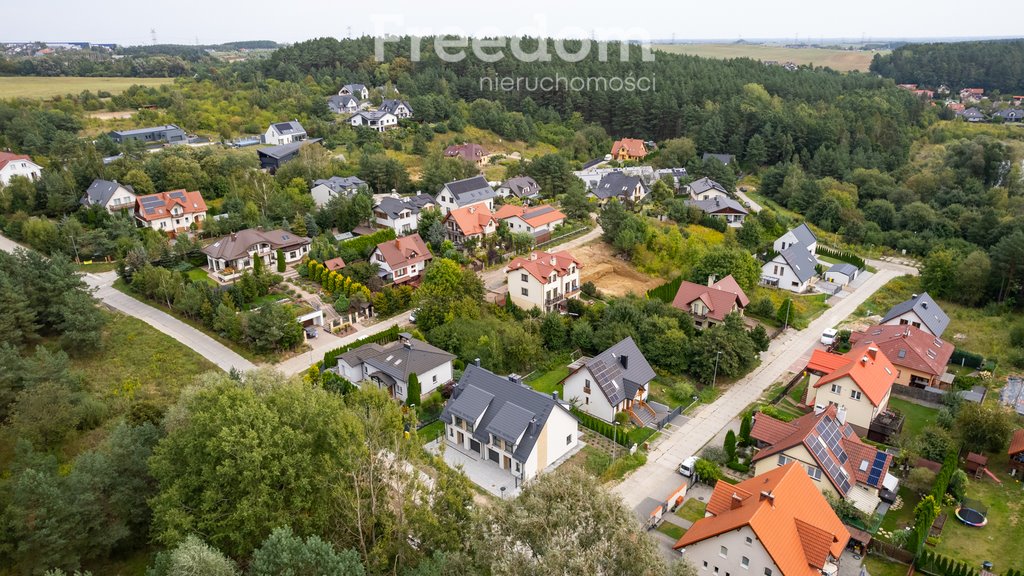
x=805, y=308
x=48, y=87
x=431, y=431
x=916, y=417
x=672, y=391
x=878, y=566
x=898, y=519
x=671, y=530
x=691, y=510
x=548, y=382
x=200, y=275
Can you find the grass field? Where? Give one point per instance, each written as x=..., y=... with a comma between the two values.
x=671, y=530
x=917, y=417
x=691, y=510
x=841, y=60
x=549, y=382
x=47, y=87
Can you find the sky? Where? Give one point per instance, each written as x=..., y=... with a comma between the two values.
x=216, y=21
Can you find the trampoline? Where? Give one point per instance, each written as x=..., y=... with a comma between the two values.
x=972, y=513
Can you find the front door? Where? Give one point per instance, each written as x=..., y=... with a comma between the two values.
x=462, y=438
x=506, y=463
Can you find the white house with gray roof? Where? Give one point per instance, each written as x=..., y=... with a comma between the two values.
x=466, y=192
x=379, y=120
x=359, y=91
x=502, y=422
x=791, y=269
x=614, y=381
x=401, y=214
x=390, y=366
x=344, y=104
x=110, y=195
x=627, y=189
x=284, y=133
x=800, y=235
x=706, y=189
x=522, y=187
x=325, y=190
x=721, y=207
x=921, y=312
x=400, y=108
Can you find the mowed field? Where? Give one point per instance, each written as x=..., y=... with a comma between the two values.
x=48, y=87
x=842, y=60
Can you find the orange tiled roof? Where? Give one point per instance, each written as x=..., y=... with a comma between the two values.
x=1017, y=442
x=533, y=215
x=633, y=146
x=471, y=220
x=869, y=368
x=540, y=264
x=190, y=202
x=793, y=521
x=334, y=264
x=404, y=251
x=908, y=346
x=825, y=362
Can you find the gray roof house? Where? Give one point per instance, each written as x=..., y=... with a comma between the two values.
x=519, y=186
x=284, y=133
x=722, y=207
x=842, y=273
x=273, y=157
x=1010, y=114
x=620, y=185
x=972, y=115
x=400, y=108
x=920, y=311
x=168, y=133
x=324, y=190
x=706, y=188
x=790, y=269
x=466, y=192
x=621, y=375
x=390, y=366
x=110, y=195
x=802, y=235
x=358, y=90
x=343, y=104
x=723, y=158
x=507, y=424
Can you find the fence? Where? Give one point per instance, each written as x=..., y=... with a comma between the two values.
x=383, y=337
x=668, y=417
x=841, y=256
x=576, y=232
x=890, y=551
x=917, y=393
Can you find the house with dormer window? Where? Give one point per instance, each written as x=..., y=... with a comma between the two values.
x=170, y=211
x=616, y=380
x=543, y=280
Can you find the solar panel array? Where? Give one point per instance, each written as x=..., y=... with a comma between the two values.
x=150, y=204
x=876, y=468
x=828, y=431
x=834, y=470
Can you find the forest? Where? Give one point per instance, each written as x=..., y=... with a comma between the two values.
x=995, y=65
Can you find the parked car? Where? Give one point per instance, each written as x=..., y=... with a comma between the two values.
x=688, y=466
x=828, y=337
x=412, y=315
x=311, y=332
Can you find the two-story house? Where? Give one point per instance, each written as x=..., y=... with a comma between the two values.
x=502, y=421
x=802, y=235
x=543, y=280
x=12, y=165
x=539, y=221
x=627, y=189
x=920, y=358
x=343, y=104
x=709, y=305
x=831, y=453
x=859, y=381
x=790, y=269
x=239, y=250
x=109, y=195
x=629, y=149
x=401, y=260
x=705, y=189
x=774, y=524
x=474, y=153
x=390, y=366
x=469, y=223
x=378, y=120
x=401, y=214
x=466, y=192
x=522, y=187
x=921, y=312
x=284, y=133
x=359, y=91
x=324, y=190
x=170, y=211
x=399, y=108
x=614, y=381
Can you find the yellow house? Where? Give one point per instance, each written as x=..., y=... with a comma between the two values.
x=860, y=384
x=629, y=149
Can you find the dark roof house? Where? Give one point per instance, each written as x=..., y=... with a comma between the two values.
x=470, y=190
x=620, y=371
x=619, y=185
x=273, y=157
x=101, y=191
x=924, y=306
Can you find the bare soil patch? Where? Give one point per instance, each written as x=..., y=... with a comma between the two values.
x=612, y=275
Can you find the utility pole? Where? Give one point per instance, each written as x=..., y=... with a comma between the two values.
x=714, y=378
x=152, y=35
x=789, y=304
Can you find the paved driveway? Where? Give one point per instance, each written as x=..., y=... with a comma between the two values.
x=659, y=474
x=326, y=341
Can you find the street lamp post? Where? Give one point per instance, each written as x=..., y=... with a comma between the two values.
x=789, y=304
x=714, y=378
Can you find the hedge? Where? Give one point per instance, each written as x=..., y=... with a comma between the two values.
x=939, y=565
x=621, y=436
x=365, y=244
x=962, y=357
x=841, y=256
x=666, y=292
x=383, y=337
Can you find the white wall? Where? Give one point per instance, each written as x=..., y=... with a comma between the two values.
x=353, y=374
x=837, y=278
x=427, y=381
x=535, y=290
x=735, y=541
x=406, y=225
x=779, y=268
x=911, y=318
x=858, y=412
x=595, y=403
x=25, y=168
x=321, y=195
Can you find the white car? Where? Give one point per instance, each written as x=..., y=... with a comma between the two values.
x=688, y=466
x=828, y=337
x=412, y=315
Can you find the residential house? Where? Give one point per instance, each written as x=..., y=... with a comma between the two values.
x=706, y=189
x=616, y=380
x=1010, y=114
x=109, y=195
x=955, y=107
x=543, y=280
x=501, y=420
x=401, y=260
x=401, y=214
x=324, y=190
x=591, y=177
x=334, y=264
x=399, y=108
x=1017, y=100
x=273, y=157
x=791, y=269
x=359, y=91
x=920, y=311
x=627, y=189
x=474, y=153
x=390, y=366
x=540, y=221
x=919, y=357
x=343, y=104
x=238, y=251
x=629, y=149
x=831, y=453
x=972, y=95
x=800, y=235
x=774, y=524
x=722, y=207
x=12, y=165
x=971, y=115
x=378, y=120
x=170, y=211
x=842, y=273
x=725, y=159
x=676, y=174
x=522, y=187
x=284, y=133
x=861, y=384
x=170, y=134
x=469, y=223
x=466, y=192
x=709, y=305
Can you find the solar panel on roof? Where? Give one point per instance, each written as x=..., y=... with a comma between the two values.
x=876, y=468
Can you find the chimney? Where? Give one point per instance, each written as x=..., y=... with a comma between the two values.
x=472, y=209
x=554, y=261
x=533, y=425
x=712, y=278
x=841, y=414
x=913, y=296
x=533, y=255
x=736, y=501
x=476, y=361
x=624, y=360
x=872, y=352
x=766, y=495
x=514, y=378
x=554, y=395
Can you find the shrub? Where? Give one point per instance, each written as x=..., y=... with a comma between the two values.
x=707, y=472
x=920, y=480
x=621, y=417
x=762, y=307
x=730, y=445
x=738, y=466
x=589, y=289
x=714, y=454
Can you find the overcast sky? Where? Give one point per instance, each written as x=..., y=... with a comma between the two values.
x=215, y=21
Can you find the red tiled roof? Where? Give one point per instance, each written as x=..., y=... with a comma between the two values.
x=471, y=220
x=719, y=298
x=770, y=430
x=825, y=362
x=193, y=203
x=540, y=264
x=793, y=521
x=1017, y=442
x=908, y=346
x=869, y=369
x=334, y=264
x=634, y=147
x=533, y=215
x=6, y=157
x=404, y=251
x=471, y=152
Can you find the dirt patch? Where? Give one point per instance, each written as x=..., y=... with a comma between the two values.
x=612, y=275
x=119, y=115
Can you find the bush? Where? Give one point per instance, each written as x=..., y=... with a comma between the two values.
x=965, y=358
x=738, y=466
x=707, y=472
x=920, y=480
x=589, y=289
x=621, y=417
x=762, y=307
x=715, y=454
x=730, y=445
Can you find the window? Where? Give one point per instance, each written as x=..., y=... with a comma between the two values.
x=526, y=292
x=524, y=277
x=855, y=394
x=723, y=551
x=435, y=378
x=586, y=386
x=837, y=389
x=749, y=540
x=783, y=459
x=814, y=472
x=705, y=564
x=568, y=439
x=451, y=433
x=767, y=572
